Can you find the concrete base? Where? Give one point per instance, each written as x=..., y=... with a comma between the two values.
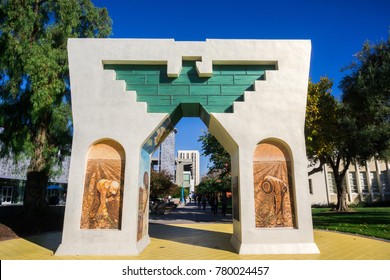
x=100, y=249
x=273, y=248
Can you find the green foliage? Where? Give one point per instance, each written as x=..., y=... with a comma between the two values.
x=34, y=81
x=329, y=128
x=214, y=185
x=35, y=109
x=366, y=91
x=161, y=185
x=219, y=157
x=321, y=114
x=177, y=192
x=330, y=135
x=219, y=168
x=357, y=128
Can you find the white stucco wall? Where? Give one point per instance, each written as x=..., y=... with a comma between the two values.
x=102, y=109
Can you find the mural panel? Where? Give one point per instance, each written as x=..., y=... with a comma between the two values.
x=103, y=186
x=143, y=195
x=273, y=188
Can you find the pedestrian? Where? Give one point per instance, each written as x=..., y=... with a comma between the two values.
x=204, y=202
x=211, y=202
x=224, y=204
x=215, y=205
x=199, y=198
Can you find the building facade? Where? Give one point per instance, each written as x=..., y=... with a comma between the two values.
x=368, y=183
x=166, y=154
x=13, y=177
x=194, y=157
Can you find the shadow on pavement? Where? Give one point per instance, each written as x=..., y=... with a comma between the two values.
x=190, y=236
x=162, y=227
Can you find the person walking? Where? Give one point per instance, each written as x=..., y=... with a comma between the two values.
x=215, y=205
x=224, y=204
x=204, y=202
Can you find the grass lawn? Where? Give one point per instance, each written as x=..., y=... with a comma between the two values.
x=370, y=221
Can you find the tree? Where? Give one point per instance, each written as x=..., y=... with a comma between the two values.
x=330, y=136
x=214, y=185
x=220, y=164
x=35, y=111
x=366, y=90
x=358, y=127
x=161, y=184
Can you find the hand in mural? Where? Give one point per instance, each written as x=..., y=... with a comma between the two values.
x=160, y=134
x=107, y=189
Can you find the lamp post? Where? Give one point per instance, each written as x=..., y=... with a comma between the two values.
x=182, y=193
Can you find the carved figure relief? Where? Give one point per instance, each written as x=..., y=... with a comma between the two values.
x=103, y=187
x=272, y=184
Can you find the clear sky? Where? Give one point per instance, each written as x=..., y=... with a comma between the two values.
x=337, y=29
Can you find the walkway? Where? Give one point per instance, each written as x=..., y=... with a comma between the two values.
x=189, y=214
x=203, y=237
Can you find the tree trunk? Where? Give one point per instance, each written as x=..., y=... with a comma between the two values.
x=34, y=204
x=342, y=198
x=35, y=194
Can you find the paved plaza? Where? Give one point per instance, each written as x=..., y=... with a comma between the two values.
x=191, y=234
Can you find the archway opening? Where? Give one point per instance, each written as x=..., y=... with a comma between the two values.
x=207, y=201
x=189, y=94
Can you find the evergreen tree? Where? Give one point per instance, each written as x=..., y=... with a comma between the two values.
x=366, y=91
x=35, y=109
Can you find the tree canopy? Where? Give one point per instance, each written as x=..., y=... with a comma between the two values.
x=330, y=135
x=35, y=110
x=220, y=165
x=161, y=185
x=366, y=90
x=355, y=128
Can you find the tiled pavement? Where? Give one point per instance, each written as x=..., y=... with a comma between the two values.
x=189, y=234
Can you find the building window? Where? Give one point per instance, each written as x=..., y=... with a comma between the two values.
x=374, y=182
x=384, y=181
x=353, y=182
x=331, y=183
x=363, y=181
x=7, y=192
x=310, y=186
x=186, y=179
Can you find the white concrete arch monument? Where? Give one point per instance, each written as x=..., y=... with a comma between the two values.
x=128, y=94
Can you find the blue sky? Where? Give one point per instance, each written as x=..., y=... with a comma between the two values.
x=337, y=29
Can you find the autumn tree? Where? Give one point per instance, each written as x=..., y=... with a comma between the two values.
x=357, y=128
x=161, y=185
x=35, y=110
x=331, y=136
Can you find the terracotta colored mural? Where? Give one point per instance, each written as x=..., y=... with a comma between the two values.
x=272, y=184
x=103, y=186
x=143, y=199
